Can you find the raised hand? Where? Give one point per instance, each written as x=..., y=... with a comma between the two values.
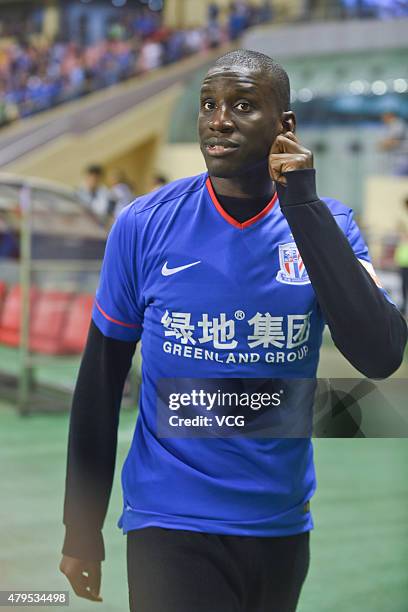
x=287, y=154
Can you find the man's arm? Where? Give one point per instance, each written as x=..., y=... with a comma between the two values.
x=367, y=329
x=92, y=443
x=117, y=318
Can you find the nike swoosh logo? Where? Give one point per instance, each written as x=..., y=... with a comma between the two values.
x=169, y=271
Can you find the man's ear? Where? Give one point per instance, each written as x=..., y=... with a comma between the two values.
x=288, y=121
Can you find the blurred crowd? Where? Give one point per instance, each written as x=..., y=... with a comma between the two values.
x=37, y=74
x=105, y=194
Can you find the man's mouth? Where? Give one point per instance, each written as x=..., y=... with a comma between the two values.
x=220, y=148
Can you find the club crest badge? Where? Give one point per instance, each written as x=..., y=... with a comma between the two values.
x=292, y=269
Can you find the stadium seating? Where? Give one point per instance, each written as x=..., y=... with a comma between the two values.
x=59, y=320
x=48, y=322
x=3, y=289
x=77, y=324
x=11, y=314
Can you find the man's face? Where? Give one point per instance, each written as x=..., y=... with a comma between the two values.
x=92, y=180
x=238, y=120
x=388, y=118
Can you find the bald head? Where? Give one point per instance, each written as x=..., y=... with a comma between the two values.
x=259, y=62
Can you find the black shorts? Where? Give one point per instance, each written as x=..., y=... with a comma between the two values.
x=172, y=570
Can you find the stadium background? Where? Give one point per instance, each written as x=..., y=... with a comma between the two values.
x=115, y=83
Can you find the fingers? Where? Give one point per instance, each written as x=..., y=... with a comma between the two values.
x=79, y=585
x=287, y=154
x=291, y=136
x=95, y=579
x=286, y=162
x=286, y=143
x=82, y=588
x=83, y=576
x=276, y=165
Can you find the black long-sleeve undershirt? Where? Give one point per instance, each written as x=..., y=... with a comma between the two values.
x=92, y=443
x=367, y=329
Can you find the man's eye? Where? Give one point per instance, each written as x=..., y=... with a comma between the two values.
x=243, y=106
x=208, y=105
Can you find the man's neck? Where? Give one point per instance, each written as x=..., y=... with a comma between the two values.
x=244, y=186
x=243, y=209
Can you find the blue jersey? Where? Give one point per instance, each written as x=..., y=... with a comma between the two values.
x=213, y=298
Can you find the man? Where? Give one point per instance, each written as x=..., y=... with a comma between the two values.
x=121, y=190
x=159, y=180
x=96, y=196
x=204, y=270
x=395, y=142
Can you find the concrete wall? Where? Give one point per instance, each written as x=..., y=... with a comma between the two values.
x=179, y=160
x=130, y=142
x=384, y=208
x=51, y=19
x=327, y=37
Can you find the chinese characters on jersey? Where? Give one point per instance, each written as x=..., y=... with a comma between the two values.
x=264, y=330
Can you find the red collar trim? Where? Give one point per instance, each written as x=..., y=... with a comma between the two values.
x=228, y=217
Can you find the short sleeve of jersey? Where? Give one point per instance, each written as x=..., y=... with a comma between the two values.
x=117, y=312
x=360, y=249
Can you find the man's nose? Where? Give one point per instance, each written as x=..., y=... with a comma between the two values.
x=221, y=120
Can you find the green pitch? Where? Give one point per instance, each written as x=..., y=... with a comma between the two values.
x=359, y=546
